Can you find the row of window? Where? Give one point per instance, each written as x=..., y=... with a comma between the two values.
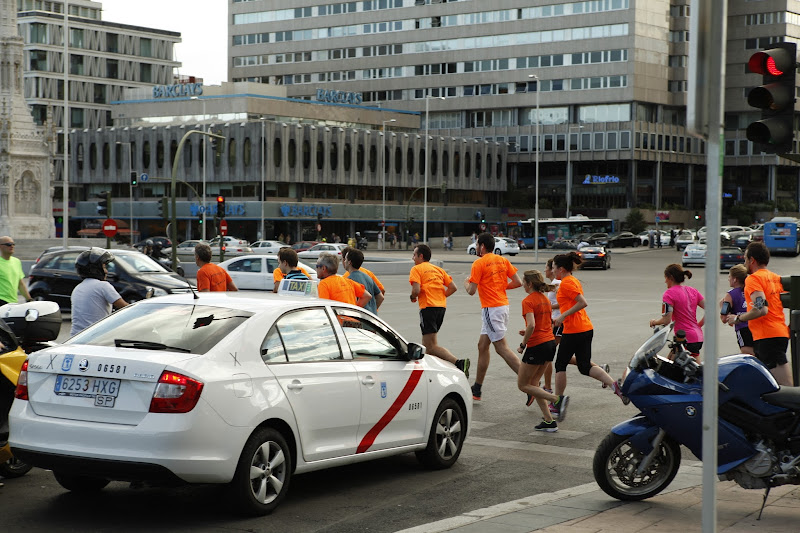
x=41, y=33
x=364, y=157
x=58, y=7
x=38, y=61
x=599, y=140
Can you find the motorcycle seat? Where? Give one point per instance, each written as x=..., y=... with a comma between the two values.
x=788, y=397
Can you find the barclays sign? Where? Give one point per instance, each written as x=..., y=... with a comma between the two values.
x=178, y=90
x=339, y=97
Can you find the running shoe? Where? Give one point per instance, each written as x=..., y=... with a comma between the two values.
x=608, y=371
x=553, y=408
x=476, y=392
x=618, y=392
x=530, y=400
x=463, y=365
x=561, y=407
x=548, y=427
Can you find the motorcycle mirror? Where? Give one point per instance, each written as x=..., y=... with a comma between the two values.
x=149, y=293
x=31, y=315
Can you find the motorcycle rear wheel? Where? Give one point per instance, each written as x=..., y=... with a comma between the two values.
x=615, y=463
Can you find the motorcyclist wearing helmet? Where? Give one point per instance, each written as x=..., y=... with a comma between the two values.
x=158, y=252
x=94, y=297
x=148, y=247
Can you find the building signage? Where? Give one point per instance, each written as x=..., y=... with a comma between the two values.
x=592, y=180
x=306, y=210
x=211, y=209
x=339, y=97
x=179, y=90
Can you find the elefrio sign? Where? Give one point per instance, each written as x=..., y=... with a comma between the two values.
x=339, y=97
x=178, y=90
x=590, y=180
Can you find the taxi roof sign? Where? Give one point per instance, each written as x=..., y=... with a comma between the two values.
x=298, y=287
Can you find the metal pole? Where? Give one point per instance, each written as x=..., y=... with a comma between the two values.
x=569, y=174
x=205, y=164
x=66, y=126
x=425, y=192
x=130, y=213
x=263, y=165
x=383, y=172
x=536, y=209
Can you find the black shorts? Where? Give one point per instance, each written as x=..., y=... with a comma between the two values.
x=744, y=337
x=579, y=345
x=430, y=319
x=771, y=351
x=694, y=347
x=539, y=354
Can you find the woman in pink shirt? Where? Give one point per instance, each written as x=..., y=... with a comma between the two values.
x=679, y=304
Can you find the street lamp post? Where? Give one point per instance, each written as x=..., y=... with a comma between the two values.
x=569, y=165
x=66, y=125
x=383, y=172
x=536, y=208
x=427, y=169
x=263, y=165
x=130, y=197
x=203, y=202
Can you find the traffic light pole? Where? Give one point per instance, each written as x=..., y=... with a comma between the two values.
x=173, y=230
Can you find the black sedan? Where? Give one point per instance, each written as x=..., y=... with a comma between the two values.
x=595, y=256
x=623, y=239
x=730, y=256
x=132, y=273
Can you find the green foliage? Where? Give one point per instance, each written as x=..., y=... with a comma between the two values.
x=635, y=221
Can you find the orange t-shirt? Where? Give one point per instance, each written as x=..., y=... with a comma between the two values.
x=773, y=324
x=538, y=304
x=212, y=278
x=569, y=289
x=340, y=289
x=278, y=275
x=491, y=273
x=433, y=281
x=370, y=274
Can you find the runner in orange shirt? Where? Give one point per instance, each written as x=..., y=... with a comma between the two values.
x=430, y=286
x=366, y=271
x=764, y=316
x=578, y=330
x=210, y=277
x=490, y=276
x=335, y=287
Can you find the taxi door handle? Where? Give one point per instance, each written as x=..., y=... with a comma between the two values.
x=368, y=381
x=295, y=385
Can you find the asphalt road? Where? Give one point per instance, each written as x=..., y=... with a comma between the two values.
x=503, y=458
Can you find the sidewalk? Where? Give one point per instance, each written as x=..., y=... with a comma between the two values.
x=587, y=509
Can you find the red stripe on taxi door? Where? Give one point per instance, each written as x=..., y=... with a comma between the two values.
x=372, y=434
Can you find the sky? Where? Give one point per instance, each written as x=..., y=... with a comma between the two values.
x=201, y=23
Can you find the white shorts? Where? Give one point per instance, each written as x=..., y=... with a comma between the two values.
x=495, y=322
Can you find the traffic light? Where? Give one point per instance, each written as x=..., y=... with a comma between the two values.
x=774, y=133
x=163, y=208
x=104, y=205
x=697, y=217
x=134, y=179
x=220, y=206
x=200, y=219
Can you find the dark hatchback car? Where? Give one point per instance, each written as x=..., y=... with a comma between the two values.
x=623, y=239
x=131, y=273
x=595, y=256
x=730, y=256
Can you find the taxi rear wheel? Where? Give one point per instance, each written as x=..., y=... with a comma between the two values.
x=446, y=437
x=263, y=473
x=78, y=483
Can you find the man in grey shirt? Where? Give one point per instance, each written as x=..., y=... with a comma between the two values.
x=352, y=263
x=94, y=297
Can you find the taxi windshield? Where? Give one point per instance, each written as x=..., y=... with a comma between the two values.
x=171, y=327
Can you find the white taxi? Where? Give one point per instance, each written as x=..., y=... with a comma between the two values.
x=236, y=389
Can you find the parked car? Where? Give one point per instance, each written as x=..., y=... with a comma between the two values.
x=598, y=239
x=694, y=254
x=254, y=272
x=595, y=256
x=623, y=239
x=644, y=237
x=502, y=245
x=741, y=239
x=229, y=241
x=730, y=256
x=302, y=246
x=268, y=247
x=323, y=247
x=683, y=239
x=131, y=272
x=563, y=244
x=151, y=394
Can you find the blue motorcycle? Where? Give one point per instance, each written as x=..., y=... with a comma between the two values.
x=759, y=423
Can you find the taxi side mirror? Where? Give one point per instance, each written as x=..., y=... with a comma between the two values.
x=415, y=351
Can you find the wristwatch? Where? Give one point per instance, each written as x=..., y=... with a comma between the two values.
x=522, y=345
x=737, y=319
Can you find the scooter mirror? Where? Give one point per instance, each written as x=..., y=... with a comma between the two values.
x=31, y=315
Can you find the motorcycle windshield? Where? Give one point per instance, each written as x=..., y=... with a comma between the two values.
x=651, y=346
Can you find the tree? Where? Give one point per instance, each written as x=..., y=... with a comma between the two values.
x=635, y=221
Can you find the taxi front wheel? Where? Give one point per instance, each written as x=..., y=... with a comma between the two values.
x=263, y=473
x=446, y=437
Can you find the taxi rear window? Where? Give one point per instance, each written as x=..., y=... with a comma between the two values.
x=179, y=327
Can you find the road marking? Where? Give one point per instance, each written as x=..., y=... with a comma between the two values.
x=530, y=447
x=563, y=434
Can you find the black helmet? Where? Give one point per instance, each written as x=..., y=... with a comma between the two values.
x=148, y=243
x=89, y=263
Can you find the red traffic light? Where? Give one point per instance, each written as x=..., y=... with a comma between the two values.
x=772, y=62
x=220, y=199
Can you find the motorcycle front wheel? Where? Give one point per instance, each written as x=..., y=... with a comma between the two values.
x=616, y=462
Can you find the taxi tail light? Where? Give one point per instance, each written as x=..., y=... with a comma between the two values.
x=22, y=383
x=175, y=393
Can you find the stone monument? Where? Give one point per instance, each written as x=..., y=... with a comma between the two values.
x=26, y=150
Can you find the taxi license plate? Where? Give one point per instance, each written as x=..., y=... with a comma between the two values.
x=103, y=390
